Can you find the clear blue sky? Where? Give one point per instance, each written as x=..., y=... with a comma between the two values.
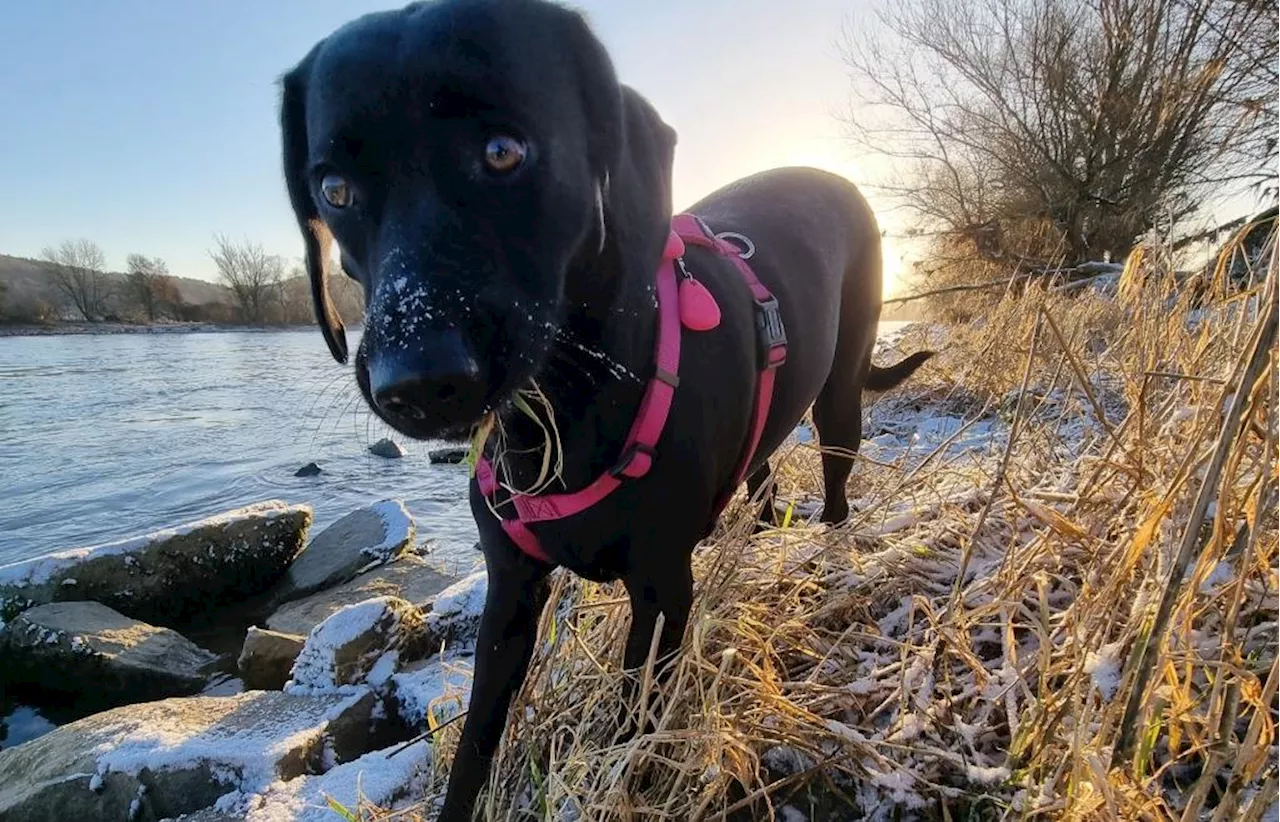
x=148, y=125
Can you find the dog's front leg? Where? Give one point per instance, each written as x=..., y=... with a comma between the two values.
x=668, y=592
x=508, y=630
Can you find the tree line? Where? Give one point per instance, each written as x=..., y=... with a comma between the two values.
x=263, y=289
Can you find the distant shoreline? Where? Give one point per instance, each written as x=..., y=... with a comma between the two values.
x=70, y=329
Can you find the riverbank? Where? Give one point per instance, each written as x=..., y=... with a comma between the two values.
x=979, y=640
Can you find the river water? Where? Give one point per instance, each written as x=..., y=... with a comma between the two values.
x=108, y=436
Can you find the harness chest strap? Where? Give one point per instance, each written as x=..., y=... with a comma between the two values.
x=638, y=450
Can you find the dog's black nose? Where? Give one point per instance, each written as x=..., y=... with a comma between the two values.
x=435, y=382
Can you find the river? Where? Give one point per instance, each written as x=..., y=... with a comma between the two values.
x=106, y=436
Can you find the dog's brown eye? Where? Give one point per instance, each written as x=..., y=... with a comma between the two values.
x=504, y=154
x=336, y=190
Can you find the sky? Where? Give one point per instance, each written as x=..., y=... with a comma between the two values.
x=147, y=125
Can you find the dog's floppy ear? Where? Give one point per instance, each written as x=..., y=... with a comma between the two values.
x=315, y=233
x=631, y=149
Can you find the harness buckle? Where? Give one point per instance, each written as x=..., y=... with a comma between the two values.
x=618, y=471
x=770, y=333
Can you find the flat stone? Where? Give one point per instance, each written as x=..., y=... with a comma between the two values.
x=167, y=577
x=179, y=756
x=267, y=657
x=100, y=656
x=447, y=456
x=387, y=448
x=361, y=539
x=409, y=577
x=359, y=644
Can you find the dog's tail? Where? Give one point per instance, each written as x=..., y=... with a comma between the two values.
x=882, y=379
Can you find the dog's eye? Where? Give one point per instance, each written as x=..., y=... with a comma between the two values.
x=336, y=190
x=503, y=154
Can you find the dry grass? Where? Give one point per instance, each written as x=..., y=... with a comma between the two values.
x=969, y=647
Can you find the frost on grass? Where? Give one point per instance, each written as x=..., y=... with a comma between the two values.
x=1105, y=666
x=930, y=656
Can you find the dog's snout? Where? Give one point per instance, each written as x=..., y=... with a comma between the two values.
x=436, y=382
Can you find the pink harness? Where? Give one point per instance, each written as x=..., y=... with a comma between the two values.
x=685, y=303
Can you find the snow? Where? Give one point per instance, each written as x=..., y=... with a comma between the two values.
x=790, y=813
x=397, y=525
x=315, y=669
x=987, y=776
x=245, y=756
x=439, y=687
x=460, y=603
x=40, y=570
x=378, y=777
x=383, y=668
x=1105, y=668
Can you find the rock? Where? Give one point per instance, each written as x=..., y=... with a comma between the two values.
x=366, y=537
x=454, y=619
x=180, y=756
x=441, y=688
x=408, y=577
x=388, y=448
x=167, y=577
x=359, y=643
x=308, y=470
x=447, y=456
x=101, y=656
x=267, y=657
x=379, y=778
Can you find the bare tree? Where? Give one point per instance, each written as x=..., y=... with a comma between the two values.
x=253, y=275
x=76, y=267
x=1048, y=130
x=348, y=298
x=149, y=284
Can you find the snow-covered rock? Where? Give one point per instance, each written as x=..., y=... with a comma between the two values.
x=267, y=657
x=359, y=643
x=408, y=577
x=440, y=688
x=380, y=777
x=179, y=756
x=454, y=619
x=362, y=539
x=169, y=576
x=100, y=656
x=387, y=449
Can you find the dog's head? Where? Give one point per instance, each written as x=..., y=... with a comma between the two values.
x=485, y=176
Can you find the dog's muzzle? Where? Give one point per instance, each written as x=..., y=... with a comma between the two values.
x=430, y=385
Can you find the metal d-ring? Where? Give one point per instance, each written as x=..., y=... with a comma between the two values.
x=748, y=246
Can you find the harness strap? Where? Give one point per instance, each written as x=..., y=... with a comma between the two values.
x=651, y=418
x=771, y=339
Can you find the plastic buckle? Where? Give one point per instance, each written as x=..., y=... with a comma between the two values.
x=628, y=456
x=770, y=332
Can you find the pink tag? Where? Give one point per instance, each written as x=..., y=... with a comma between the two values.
x=699, y=311
x=674, y=247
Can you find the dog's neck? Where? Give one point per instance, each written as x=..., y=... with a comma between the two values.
x=596, y=371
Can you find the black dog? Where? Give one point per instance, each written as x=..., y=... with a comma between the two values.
x=504, y=202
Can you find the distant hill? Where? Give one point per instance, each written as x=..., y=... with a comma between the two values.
x=27, y=280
